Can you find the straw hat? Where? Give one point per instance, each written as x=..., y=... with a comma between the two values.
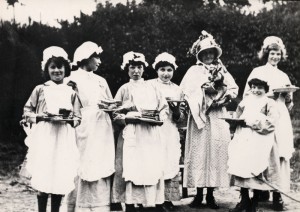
x=205, y=41
x=165, y=57
x=53, y=51
x=133, y=56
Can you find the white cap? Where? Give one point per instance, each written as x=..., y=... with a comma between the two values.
x=133, y=56
x=85, y=50
x=205, y=41
x=273, y=40
x=53, y=51
x=165, y=57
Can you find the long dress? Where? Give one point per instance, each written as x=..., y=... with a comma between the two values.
x=52, y=158
x=95, y=141
x=208, y=136
x=171, y=141
x=253, y=154
x=283, y=130
x=139, y=155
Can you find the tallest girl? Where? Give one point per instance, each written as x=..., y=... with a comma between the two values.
x=207, y=136
x=272, y=52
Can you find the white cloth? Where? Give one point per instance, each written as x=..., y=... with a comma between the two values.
x=249, y=151
x=95, y=134
x=52, y=158
x=283, y=132
x=169, y=132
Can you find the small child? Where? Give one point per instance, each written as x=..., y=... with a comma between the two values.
x=252, y=151
x=52, y=155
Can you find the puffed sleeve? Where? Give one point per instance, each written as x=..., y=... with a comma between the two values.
x=264, y=122
x=76, y=109
x=30, y=108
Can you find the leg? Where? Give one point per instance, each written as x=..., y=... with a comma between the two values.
x=197, y=202
x=278, y=204
x=55, y=202
x=245, y=203
x=210, y=199
x=42, y=201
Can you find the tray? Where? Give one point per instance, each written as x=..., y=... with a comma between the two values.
x=144, y=120
x=232, y=120
x=55, y=119
x=286, y=89
x=171, y=100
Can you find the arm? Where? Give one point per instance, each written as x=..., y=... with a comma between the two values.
x=30, y=109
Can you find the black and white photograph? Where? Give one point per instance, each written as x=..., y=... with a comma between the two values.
x=149, y=105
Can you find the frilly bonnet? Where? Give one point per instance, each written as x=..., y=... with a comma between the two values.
x=53, y=51
x=85, y=50
x=133, y=56
x=272, y=40
x=165, y=57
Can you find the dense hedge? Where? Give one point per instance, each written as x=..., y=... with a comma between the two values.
x=151, y=28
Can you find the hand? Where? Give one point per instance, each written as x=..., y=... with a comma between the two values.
x=175, y=110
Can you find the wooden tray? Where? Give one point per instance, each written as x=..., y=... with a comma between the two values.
x=286, y=89
x=144, y=120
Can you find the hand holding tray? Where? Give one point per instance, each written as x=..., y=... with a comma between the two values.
x=286, y=89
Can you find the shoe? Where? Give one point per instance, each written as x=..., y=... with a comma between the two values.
x=130, y=208
x=264, y=196
x=243, y=205
x=161, y=208
x=197, y=202
x=116, y=206
x=169, y=205
x=211, y=202
x=278, y=204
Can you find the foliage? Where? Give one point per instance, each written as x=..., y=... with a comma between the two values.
x=151, y=27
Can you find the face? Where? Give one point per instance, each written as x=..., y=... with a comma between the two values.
x=56, y=73
x=207, y=56
x=165, y=73
x=93, y=64
x=258, y=90
x=135, y=72
x=274, y=57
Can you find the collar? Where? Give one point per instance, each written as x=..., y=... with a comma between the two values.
x=270, y=66
x=51, y=83
x=136, y=81
x=162, y=82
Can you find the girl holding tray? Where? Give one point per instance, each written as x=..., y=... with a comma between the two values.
x=165, y=66
x=52, y=158
x=272, y=52
x=95, y=137
x=253, y=145
x=207, y=86
x=139, y=157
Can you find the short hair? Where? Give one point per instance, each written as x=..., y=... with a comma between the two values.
x=163, y=64
x=59, y=62
x=134, y=63
x=259, y=82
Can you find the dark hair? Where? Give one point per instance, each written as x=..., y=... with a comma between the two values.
x=259, y=82
x=266, y=51
x=59, y=62
x=199, y=55
x=163, y=64
x=134, y=63
x=84, y=62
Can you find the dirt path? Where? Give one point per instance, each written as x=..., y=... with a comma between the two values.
x=15, y=196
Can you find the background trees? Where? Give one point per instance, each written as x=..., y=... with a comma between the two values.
x=151, y=27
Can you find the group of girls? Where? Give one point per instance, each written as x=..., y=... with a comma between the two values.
x=78, y=156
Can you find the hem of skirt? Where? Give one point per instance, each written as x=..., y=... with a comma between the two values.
x=96, y=205
x=92, y=179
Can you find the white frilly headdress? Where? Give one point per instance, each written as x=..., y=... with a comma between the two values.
x=53, y=51
x=270, y=40
x=165, y=57
x=85, y=50
x=133, y=56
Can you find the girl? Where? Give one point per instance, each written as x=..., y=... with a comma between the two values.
x=95, y=137
x=272, y=52
x=250, y=150
x=206, y=152
x=165, y=66
x=139, y=160
x=52, y=155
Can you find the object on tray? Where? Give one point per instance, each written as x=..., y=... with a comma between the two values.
x=109, y=105
x=286, y=89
